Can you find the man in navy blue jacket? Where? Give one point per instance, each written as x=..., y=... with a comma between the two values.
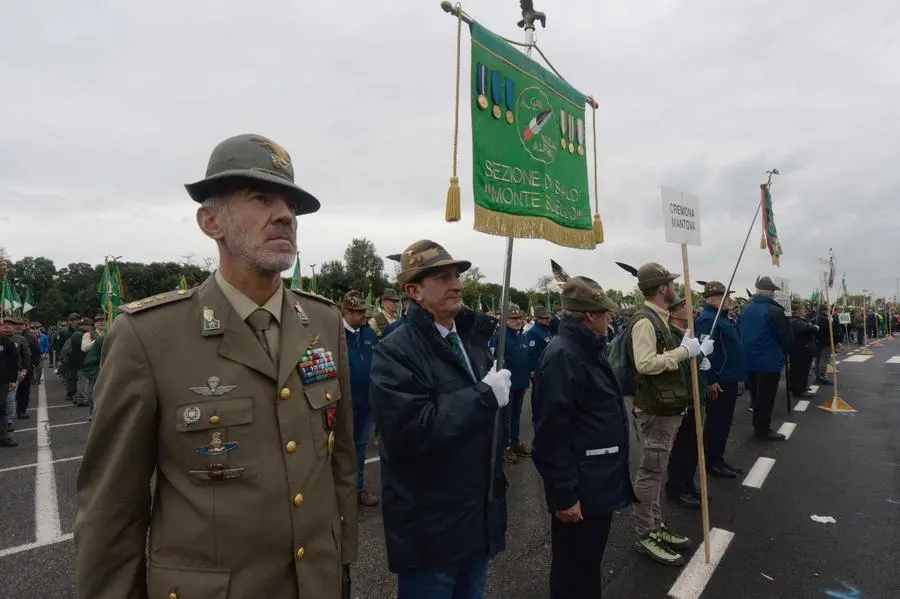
x=538, y=336
x=727, y=370
x=765, y=337
x=516, y=360
x=361, y=341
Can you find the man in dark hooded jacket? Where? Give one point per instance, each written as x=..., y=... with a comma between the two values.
x=580, y=440
x=435, y=399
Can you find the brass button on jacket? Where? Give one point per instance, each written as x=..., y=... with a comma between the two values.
x=285, y=393
x=291, y=447
x=298, y=499
x=300, y=553
x=213, y=420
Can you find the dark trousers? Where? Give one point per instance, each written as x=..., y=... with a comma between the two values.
x=512, y=416
x=763, y=389
x=23, y=393
x=71, y=382
x=719, y=416
x=577, y=548
x=799, y=370
x=683, y=458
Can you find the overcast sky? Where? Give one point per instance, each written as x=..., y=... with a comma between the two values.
x=108, y=108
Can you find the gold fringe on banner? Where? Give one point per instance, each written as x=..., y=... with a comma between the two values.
x=532, y=227
x=454, y=204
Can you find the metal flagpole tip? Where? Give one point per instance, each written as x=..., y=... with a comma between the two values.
x=448, y=7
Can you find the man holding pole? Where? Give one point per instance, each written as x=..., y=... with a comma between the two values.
x=660, y=400
x=435, y=397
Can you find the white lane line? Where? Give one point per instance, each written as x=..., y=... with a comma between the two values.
x=813, y=388
x=695, y=576
x=30, y=546
x=787, y=429
x=23, y=466
x=837, y=361
x=62, y=405
x=757, y=475
x=801, y=405
x=28, y=430
x=894, y=360
x=372, y=460
x=46, y=503
x=860, y=358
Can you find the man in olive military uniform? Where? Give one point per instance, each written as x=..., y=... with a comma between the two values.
x=237, y=395
x=388, y=313
x=580, y=440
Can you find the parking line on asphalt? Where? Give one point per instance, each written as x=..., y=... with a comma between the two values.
x=28, y=430
x=33, y=465
x=858, y=358
x=30, y=546
x=62, y=405
x=787, y=429
x=801, y=405
x=894, y=360
x=372, y=460
x=46, y=503
x=813, y=388
x=695, y=576
x=757, y=475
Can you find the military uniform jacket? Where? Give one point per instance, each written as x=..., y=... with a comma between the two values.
x=247, y=502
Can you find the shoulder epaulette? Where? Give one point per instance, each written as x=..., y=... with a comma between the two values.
x=314, y=296
x=155, y=301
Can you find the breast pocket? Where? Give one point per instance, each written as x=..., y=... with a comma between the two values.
x=323, y=404
x=215, y=436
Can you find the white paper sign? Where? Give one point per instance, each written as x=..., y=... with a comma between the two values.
x=844, y=318
x=681, y=216
x=783, y=297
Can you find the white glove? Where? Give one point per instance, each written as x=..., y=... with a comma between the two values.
x=692, y=345
x=499, y=381
x=704, y=364
x=707, y=345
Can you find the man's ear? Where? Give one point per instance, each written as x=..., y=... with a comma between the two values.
x=209, y=221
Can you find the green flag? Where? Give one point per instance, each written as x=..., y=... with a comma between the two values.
x=769, y=239
x=528, y=145
x=110, y=290
x=480, y=305
x=28, y=304
x=6, y=299
x=296, y=279
x=16, y=300
x=182, y=284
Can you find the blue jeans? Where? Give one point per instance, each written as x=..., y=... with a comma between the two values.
x=462, y=580
x=90, y=395
x=512, y=416
x=362, y=427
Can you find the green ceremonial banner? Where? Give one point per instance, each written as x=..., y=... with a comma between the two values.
x=529, y=150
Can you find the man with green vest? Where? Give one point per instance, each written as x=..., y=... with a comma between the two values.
x=388, y=313
x=660, y=400
x=75, y=362
x=92, y=346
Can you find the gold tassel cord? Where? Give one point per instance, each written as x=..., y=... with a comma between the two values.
x=598, y=224
x=454, y=203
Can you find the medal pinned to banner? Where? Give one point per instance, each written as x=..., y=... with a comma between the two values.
x=497, y=93
x=510, y=98
x=579, y=135
x=571, y=133
x=481, y=83
x=563, y=123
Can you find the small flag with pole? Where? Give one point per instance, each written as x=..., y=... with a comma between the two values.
x=297, y=279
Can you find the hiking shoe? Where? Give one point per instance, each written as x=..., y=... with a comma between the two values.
x=367, y=499
x=23, y=416
x=520, y=450
x=675, y=541
x=657, y=551
x=509, y=457
x=7, y=442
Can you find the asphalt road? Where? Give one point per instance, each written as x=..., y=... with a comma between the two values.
x=843, y=466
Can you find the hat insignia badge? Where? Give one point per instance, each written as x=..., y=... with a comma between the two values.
x=280, y=158
x=212, y=388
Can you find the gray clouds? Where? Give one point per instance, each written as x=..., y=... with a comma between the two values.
x=109, y=108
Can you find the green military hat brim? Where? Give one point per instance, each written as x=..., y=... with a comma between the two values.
x=676, y=302
x=578, y=295
x=214, y=185
x=414, y=274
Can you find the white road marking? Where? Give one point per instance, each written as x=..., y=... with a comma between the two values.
x=23, y=466
x=837, y=361
x=28, y=430
x=695, y=576
x=894, y=360
x=861, y=358
x=62, y=405
x=813, y=388
x=757, y=475
x=801, y=405
x=787, y=429
x=30, y=546
x=372, y=460
x=46, y=503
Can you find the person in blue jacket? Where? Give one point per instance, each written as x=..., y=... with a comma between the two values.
x=765, y=337
x=727, y=371
x=516, y=360
x=538, y=336
x=361, y=342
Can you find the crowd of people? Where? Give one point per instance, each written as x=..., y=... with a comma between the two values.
x=261, y=468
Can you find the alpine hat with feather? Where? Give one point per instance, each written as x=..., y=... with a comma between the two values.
x=581, y=294
x=425, y=256
x=250, y=160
